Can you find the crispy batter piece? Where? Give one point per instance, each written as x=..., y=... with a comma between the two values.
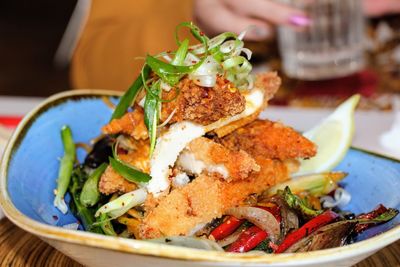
x=203, y=105
x=215, y=158
x=270, y=140
x=270, y=82
x=132, y=123
x=111, y=182
x=204, y=199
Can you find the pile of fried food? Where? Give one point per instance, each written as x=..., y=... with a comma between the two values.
x=185, y=155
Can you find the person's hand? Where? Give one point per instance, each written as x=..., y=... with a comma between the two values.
x=216, y=16
x=376, y=8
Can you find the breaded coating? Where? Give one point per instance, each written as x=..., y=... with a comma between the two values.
x=215, y=158
x=268, y=81
x=203, y=105
x=271, y=82
x=204, y=199
x=111, y=182
x=270, y=140
x=132, y=123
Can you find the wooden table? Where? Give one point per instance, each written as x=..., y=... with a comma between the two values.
x=19, y=248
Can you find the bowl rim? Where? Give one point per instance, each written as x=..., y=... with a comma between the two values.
x=146, y=248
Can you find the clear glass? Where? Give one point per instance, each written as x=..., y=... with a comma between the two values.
x=332, y=46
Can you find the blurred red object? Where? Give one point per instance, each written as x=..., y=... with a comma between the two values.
x=364, y=83
x=10, y=121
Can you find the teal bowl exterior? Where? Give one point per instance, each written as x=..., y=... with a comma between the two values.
x=30, y=167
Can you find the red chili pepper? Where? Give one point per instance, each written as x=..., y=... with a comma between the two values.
x=274, y=210
x=308, y=228
x=226, y=228
x=380, y=209
x=248, y=240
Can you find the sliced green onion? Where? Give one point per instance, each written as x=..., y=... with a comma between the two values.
x=168, y=72
x=122, y=204
x=129, y=97
x=90, y=194
x=181, y=53
x=151, y=114
x=66, y=167
x=196, y=32
x=128, y=172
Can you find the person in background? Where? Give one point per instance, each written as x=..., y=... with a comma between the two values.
x=118, y=34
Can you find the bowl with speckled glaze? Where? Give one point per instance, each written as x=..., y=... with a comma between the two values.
x=30, y=165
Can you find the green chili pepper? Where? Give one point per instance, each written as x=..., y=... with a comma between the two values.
x=296, y=203
x=128, y=172
x=129, y=97
x=66, y=167
x=90, y=194
x=106, y=225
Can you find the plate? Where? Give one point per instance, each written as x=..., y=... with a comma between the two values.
x=29, y=170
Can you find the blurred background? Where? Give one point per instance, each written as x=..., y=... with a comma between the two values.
x=30, y=34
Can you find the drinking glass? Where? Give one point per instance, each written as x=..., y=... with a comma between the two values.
x=331, y=46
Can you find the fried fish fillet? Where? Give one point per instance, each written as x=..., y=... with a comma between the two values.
x=270, y=140
x=203, y=105
x=111, y=182
x=204, y=154
x=270, y=83
x=204, y=199
x=132, y=124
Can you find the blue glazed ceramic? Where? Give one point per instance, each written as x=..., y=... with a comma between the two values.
x=30, y=168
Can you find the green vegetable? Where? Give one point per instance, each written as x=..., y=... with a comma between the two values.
x=122, y=204
x=264, y=246
x=90, y=194
x=297, y=203
x=129, y=97
x=85, y=214
x=196, y=32
x=168, y=72
x=151, y=114
x=316, y=184
x=128, y=172
x=181, y=53
x=65, y=171
x=384, y=217
x=106, y=225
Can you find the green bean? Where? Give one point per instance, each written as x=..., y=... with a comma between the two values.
x=90, y=194
x=66, y=167
x=106, y=225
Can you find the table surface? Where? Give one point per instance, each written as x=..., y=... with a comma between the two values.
x=19, y=248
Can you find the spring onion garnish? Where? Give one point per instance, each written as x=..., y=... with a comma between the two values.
x=297, y=203
x=128, y=172
x=223, y=55
x=90, y=194
x=129, y=97
x=66, y=167
x=122, y=204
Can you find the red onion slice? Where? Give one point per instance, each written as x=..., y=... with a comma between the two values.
x=259, y=217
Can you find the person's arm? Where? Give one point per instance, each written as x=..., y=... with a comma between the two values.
x=215, y=16
x=376, y=8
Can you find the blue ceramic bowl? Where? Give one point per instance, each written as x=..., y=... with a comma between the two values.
x=30, y=166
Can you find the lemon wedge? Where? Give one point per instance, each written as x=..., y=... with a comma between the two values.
x=333, y=137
